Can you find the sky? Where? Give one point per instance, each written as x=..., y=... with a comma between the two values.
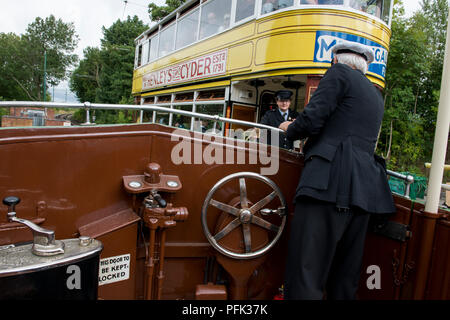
x=88, y=16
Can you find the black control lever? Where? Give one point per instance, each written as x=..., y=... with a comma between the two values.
x=44, y=243
x=162, y=203
x=11, y=202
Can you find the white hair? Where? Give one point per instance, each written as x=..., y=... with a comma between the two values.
x=354, y=61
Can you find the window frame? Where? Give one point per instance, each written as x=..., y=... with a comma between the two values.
x=194, y=103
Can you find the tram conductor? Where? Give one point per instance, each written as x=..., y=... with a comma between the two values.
x=342, y=183
x=277, y=116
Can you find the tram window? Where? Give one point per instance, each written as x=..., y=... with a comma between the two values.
x=162, y=118
x=153, y=48
x=139, y=56
x=273, y=5
x=180, y=121
x=203, y=125
x=244, y=9
x=268, y=102
x=166, y=41
x=145, y=49
x=285, y=3
x=377, y=8
x=269, y=6
x=184, y=97
x=164, y=99
x=331, y=2
x=386, y=10
x=215, y=17
x=187, y=29
x=211, y=95
x=149, y=100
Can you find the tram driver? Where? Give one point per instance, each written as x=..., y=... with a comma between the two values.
x=277, y=116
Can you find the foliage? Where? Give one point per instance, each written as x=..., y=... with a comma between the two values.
x=156, y=13
x=117, y=54
x=22, y=58
x=14, y=84
x=413, y=80
x=85, y=78
x=105, y=74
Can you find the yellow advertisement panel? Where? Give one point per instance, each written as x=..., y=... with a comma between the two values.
x=290, y=42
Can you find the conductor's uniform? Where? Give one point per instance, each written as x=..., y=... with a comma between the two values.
x=342, y=182
x=277, y=116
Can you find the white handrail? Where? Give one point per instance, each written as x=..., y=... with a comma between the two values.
x=93, y=106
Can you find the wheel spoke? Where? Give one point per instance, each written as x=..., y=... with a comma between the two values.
x=263, y=202
x=265, y=224
x=243, y=193
x=247, y=237
x=230, y=227
x=225, y=207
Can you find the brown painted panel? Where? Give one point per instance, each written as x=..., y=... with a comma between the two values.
x=438, y=287
x=72, y=178
x=389, y=255
x=418, y=255
x=117, y=243
x=197, y=180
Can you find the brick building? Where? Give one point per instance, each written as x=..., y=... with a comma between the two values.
x=27, y=117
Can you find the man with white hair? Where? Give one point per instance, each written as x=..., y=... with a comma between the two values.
x=342, y=183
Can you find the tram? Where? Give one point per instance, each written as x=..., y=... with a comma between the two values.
x=228, y=58
x=180, y=206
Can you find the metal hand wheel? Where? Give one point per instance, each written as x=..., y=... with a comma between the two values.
x=245, y=216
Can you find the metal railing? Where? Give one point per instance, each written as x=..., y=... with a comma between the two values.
x=94, y=106
x=408, y=179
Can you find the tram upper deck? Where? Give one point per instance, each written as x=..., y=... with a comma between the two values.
x=223, y=40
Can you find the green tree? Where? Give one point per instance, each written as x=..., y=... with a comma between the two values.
x=22, y=58
x=15, y=83
x=412, y=85
x=85, y=79
x=117, y=55
x=105, y=75
x=156, y=12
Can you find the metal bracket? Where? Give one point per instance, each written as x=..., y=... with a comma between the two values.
x=393, y=230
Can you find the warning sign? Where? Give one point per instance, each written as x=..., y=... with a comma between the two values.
x=114, y=269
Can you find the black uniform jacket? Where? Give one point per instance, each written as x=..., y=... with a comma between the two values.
x=342, y=121
x=274, y=118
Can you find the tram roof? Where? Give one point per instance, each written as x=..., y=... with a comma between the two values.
x=185, y=5
x=189, y=3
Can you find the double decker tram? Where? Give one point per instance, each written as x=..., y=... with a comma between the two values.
x=229, y=57
x=198, y=213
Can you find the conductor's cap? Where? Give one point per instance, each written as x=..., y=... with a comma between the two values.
x=354, y=47
x=283, y=94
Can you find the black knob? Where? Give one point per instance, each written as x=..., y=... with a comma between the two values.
x=162, y=203
x=11, y=201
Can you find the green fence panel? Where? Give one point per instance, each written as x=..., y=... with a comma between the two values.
x=417, y=189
